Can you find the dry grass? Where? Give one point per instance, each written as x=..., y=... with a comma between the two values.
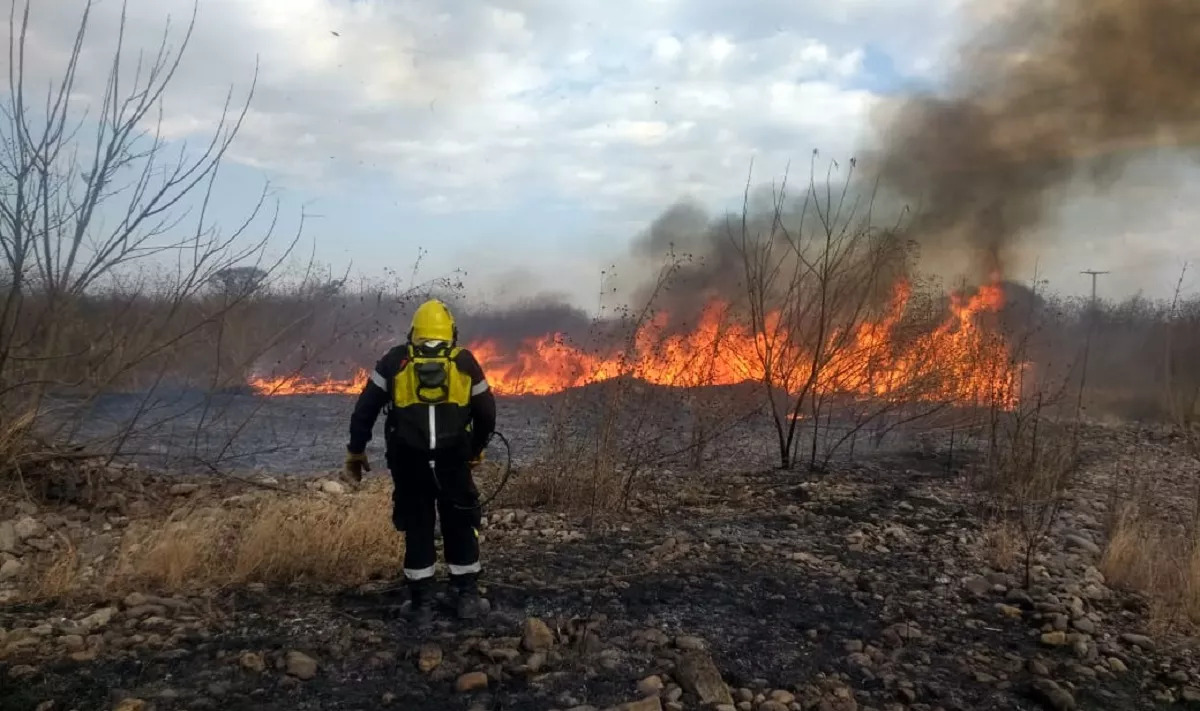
x=267, y=537
x=564, y=485
x=1002, y=545
x=60, y=577
x=1145, y=556
x=270, y=538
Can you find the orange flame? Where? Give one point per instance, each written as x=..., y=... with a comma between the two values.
x=305, y=385
x=959, y=361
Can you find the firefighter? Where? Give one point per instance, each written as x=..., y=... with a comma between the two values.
x=440, y=415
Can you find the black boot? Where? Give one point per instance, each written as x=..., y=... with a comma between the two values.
x=420, y=605
x=469, y=604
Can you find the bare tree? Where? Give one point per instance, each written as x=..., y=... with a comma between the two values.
x=105, y=230
x=813, y=278
x=1182, y=381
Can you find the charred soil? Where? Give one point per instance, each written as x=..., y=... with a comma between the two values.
x=863, y=588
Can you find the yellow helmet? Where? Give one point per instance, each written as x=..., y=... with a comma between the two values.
x=433, y=322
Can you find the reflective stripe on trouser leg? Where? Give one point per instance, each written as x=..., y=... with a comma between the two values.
x=414, y=500
x=465, y=569
x=420, y=573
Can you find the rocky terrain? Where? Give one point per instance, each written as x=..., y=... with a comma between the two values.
x=869, y=587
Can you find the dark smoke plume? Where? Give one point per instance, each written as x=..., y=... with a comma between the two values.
x=1048, y=92
x=509, y=327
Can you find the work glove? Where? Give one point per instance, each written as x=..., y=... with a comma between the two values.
x=356, y=464
x=476, y=461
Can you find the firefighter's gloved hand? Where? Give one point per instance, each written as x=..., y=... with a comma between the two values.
x=356, y=464
x=476, y=461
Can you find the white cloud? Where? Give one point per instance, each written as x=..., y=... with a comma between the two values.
x=489, y=99
x=621, y=105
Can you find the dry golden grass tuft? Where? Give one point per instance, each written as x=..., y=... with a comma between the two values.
x=1002, y=545
x=271, y=538
x=1144, y=556
x=560, y=486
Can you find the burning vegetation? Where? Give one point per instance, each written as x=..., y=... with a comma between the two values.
x=720, y=350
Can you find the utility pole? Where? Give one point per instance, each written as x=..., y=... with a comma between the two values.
x=1087, y=344
x=1093, y=274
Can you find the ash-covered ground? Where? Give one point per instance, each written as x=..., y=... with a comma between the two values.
x=189, y=431
x=867, y=587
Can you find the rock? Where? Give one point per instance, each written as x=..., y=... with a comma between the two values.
x=300, y=665
x=135, y=599
x=471, y=681
x=1038, y=668
x=1008, y=610
x=8, y=537
x=1117, y=666
x=73, y=642
x=689, y=643
x=770, y=705
x=1190, y=694
x=11, y=569
x=28, y=527
x=130, y=705
x=329, y=486
x=651, y=686
x=1057, y=638
x=1138, y=640
x=99, y=619
x=1084, y=625
x=697, y=673
x=184, y=489
x=650, y=703
x=253, y=661
x=1081, y=543
x=1053, y=696
x=977, y=585
x=429, y=658
x=1019, y=597
x=387, y=698
x=536, y=635
x=22, y=671
x=536, y=661
x=782, y=696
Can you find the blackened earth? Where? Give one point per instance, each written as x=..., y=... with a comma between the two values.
x=864, y=588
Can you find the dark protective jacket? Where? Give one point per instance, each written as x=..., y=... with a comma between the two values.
x=455, y=429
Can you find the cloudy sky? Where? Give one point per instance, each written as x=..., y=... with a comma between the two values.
x=529, y=141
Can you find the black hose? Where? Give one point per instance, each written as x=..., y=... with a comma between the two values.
x=503, y=479
x=507, y=470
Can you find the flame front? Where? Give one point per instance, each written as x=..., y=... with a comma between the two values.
x=305, y=385
x=958, y=361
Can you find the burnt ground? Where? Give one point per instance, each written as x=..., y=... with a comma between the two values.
x=865, y=588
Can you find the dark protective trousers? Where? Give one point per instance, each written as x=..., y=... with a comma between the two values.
x=422, y=495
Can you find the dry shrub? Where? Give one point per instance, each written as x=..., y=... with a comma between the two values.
x=1002, y=545
x=562, y=483
x=60, y=577
x=271, y=539
x=1148, y=557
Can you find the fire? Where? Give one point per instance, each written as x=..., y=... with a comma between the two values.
x=305, y=385
x=958, y=361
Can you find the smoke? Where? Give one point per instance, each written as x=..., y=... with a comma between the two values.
x=507, y=328
x=1044, y=94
